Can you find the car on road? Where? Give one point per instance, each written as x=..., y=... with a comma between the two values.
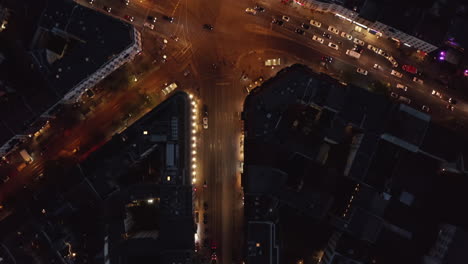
x=197, y=217
x=259, y=8
x=425, y=108
x=208, y=27
x=452, y=101
x=333, y=46
x=205, y=185
x=205, y=122
x=328, y=36
x=152, y=19
x=393, y=61
x=305, y=26
x=333, y=29
x=277, y=22
x=450, y=107
x=362, y=71
x=397, y=74
x=285, y=18
x=169, y=88
x=357, y=48
x=402, y=87
x=168, y=18
x=299, y=31
x=205, y=206
x=108, y=9
x=374, y=49
x=409, y=68
x=148, y=25
x=318, y=39
x=436, y=93
x=346, y=35
x=90, y=2
x=205, y=218
x=359, y=42
x=129, y=18
x=377, y=67
x=127, y=2
x=327, y=59
x=418, y=80
x=251, y=11
x=394, y=95
x=315, y=23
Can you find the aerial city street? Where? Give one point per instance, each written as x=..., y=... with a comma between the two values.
x=233, y=131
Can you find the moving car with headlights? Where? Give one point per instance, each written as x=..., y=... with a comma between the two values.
x=402, y=87
x=397, y=74
x=148, y=25
x=251, y=11
x=361, y=71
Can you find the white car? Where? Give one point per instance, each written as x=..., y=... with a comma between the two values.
x=436, y=93
x=318, y=39
x=402, y=87
x=377, y=67
x=205, y=122
x=359, y=42
x=374, y=49
x=251, y=11
x=285, y=18
x=169, y=88
x=148, y=25
x=361, y=71
x=334, y=30
x=418, y=80
x=397, y=74
x=393, y=61
x=333, y=46
x=315, y=23
x=346, y=35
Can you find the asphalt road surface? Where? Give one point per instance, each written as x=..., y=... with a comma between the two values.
x=214, y=63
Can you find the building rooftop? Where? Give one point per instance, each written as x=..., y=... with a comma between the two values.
x=74, y=41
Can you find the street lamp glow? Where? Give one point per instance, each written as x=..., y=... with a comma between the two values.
x=194, y=152
x=194, y=138
x=193, y=160
x=191, y=96
x=194, y=131
x=194, y=145
x=194, y=173
x=150, y=201
x=194, y=166
x=194, y=180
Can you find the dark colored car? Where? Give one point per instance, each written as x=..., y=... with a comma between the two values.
x=168, y=18
x=299, y=31
x=208, y=27
x=327, y=59
x=325, y=34
x=305, y=26
x=205, y=218
x=205, y=205
x=277, y=22
x=152, y=19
